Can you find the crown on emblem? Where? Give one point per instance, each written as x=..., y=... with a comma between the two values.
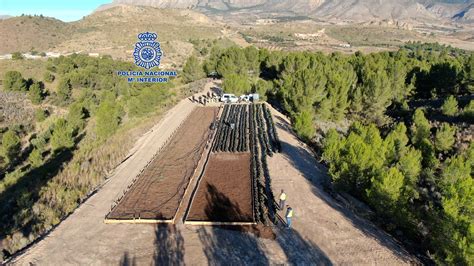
x=147, y=36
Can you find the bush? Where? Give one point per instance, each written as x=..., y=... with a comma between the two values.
x=40, y=115
x=48, y=77
x=17, y=56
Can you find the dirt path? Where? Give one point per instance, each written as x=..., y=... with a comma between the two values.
x=324, y=233
x=340, y=236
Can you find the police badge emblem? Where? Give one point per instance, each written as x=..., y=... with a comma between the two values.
x=147, y=51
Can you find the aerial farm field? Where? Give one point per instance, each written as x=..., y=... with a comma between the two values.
x=159, y=188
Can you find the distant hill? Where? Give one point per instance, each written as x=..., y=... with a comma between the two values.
x=27, y=33
x=342, y=10
x=5, y=16
x=112, y=31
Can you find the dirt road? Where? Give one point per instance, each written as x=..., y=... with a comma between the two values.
x=324, y=233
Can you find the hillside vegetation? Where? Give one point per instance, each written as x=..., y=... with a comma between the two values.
x=412, y=166
x=77, y=133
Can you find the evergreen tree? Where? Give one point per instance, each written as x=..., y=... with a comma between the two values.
x=304, y=124
x=409, y=165
x=35, y=158
x=62, y=136
x=11, y=146
x=386, y=189
x=421, y=127
x=456, y=237
x=13, y=81
x=450, y=106
x=468, y=111
x=64, y=90
x=192, y=70
x=237, y=84
x=376, y=91
x=76, y=116
x=469, y=74
x=108, y=116
x=35, y=92
x=444, y=139
x=396, y=142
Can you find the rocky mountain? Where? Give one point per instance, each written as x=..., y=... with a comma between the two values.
x=348, y=10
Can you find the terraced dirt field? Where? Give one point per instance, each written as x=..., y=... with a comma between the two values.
x=158, y=190
x=225, y=191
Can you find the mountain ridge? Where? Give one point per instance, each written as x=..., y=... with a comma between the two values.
x=347, y=10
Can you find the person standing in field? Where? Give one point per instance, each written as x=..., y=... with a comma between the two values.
x=289, y=216
x=282, y=199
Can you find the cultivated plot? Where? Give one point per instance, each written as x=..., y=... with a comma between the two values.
x=224, y=193
x=160, y=187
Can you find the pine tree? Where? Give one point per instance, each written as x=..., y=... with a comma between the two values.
x=108, y=117
x=469, y=74
x=192, y=70
x=396, y=142
x=35, y=158
x=409, y=165
x=64, y=90
x=11, y=146
x=444, y=139
x=237, y=84
x=13, y=81
x=421, y=127
x=386, y=189
x=304, y=124
x=468, y=111
x=35, y=93
x=450, y=106
x=62, y=136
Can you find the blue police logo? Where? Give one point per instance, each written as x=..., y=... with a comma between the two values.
x=147, y=52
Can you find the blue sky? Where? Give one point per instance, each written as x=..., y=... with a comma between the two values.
x=65, y=10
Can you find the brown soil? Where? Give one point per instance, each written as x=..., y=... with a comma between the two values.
x=159, y=189
x=224, y=193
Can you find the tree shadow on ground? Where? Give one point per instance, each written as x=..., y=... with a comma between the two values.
x=300, y=251
x=27, y=189
x=306, y=163
x=220, y=208
x=169, y=245
x=127, y=261
x=224, y=246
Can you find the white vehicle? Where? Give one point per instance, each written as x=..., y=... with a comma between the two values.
x=229, y=98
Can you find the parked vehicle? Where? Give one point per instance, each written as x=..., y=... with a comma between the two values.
x=229, y=98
